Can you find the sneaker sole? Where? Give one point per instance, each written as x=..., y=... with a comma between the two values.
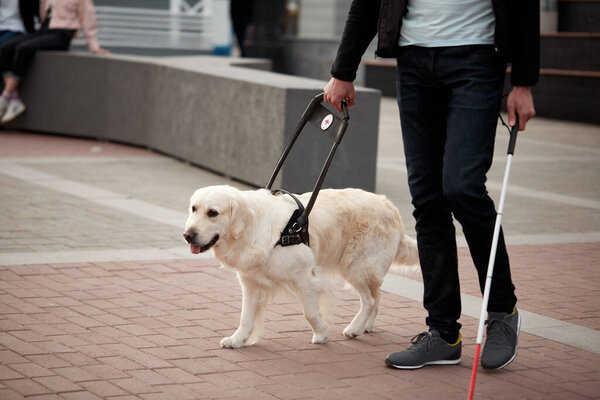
x=516, y=348
x=440, y=362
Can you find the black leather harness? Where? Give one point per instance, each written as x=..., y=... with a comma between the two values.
x=296, y=230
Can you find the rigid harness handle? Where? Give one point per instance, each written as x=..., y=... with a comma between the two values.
x=301, y=221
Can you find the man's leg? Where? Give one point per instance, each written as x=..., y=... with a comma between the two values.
x=423, y=108
x=474, y=103
x=423, y=116
x=475, y=90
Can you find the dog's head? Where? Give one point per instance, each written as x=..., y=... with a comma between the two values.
x=216, y=214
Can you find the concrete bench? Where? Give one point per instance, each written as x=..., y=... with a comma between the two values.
x=227, y=115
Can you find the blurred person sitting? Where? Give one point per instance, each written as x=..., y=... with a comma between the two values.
x=61, y=21
x=17, y=17
x=241, y=12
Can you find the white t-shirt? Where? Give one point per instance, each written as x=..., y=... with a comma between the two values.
x=438, y=23
x=10, y=17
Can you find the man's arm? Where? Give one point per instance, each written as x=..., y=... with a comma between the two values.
x=361, y=28
x=525, y=59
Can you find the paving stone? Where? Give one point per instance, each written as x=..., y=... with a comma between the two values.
x=151, y=328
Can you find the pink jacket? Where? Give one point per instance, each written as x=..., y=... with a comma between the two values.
x=73, y=14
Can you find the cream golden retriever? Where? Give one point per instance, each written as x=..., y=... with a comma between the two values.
x=353, y=234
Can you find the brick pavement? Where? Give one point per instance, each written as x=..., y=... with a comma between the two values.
x=150, y=329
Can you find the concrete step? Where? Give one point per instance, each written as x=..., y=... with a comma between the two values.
x=572, y=95
x=570, y=50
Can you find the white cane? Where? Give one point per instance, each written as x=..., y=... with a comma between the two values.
x=490, y=270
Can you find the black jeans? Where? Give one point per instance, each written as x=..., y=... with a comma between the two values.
x=16, y=54
x=449, y=100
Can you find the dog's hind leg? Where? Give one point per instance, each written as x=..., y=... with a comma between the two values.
x=253, y=304
x=310, y=293
x=371, y=321
x=368, y=290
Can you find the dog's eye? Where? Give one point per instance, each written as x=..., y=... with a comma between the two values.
x=212, y=213
x=194, y=208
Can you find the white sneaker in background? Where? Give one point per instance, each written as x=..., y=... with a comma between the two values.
x=15, y=108
x=3, y=106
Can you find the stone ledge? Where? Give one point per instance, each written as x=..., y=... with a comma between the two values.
x=227, y=115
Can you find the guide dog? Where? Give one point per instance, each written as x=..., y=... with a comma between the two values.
x=353, y=234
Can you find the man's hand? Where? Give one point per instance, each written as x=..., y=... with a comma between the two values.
x=336, y=91
x=520, y=102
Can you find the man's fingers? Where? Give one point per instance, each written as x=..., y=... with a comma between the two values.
x=524, y=117
x=350, y=102
x=510, y=108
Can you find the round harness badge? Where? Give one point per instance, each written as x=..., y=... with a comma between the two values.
x=327, y=121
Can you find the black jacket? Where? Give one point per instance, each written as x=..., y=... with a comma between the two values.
x=29, y=9
x=517, y=36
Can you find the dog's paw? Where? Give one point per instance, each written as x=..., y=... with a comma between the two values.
x=351, y=332
x=232, y=342
x=320, y=338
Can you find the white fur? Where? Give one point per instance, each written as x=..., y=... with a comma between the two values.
x=354, y=234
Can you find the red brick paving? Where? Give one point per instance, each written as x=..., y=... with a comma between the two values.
x=151, y=330
x=560, y=281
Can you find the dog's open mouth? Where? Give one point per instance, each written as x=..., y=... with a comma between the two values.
x=196, y=248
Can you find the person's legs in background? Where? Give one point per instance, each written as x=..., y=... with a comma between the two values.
x=15, y=57
x=7, y=52
x=8, y=35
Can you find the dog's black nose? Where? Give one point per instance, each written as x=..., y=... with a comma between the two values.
x=189, y=236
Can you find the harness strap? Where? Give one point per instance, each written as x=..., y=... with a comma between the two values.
x=294, y=232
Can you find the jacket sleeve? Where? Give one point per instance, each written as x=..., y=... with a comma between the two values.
x=88, y=24
x=360, y=29
x=524, y=20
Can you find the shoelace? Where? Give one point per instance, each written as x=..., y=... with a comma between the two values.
x=420, y=341
x=497, y=332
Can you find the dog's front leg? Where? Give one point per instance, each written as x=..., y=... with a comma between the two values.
x=310, y=293
x=251, y=307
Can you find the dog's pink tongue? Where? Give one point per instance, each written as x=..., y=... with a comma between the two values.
x=195, y=248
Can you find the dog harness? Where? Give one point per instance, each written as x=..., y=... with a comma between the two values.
x=296, y=230
x=334, y=127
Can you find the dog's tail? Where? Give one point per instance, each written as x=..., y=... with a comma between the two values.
x=407, y=256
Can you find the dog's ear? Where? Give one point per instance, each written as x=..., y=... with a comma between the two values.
x=240, y=216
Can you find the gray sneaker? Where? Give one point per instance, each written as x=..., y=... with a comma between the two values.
x=501, y=342
x=428, y=348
